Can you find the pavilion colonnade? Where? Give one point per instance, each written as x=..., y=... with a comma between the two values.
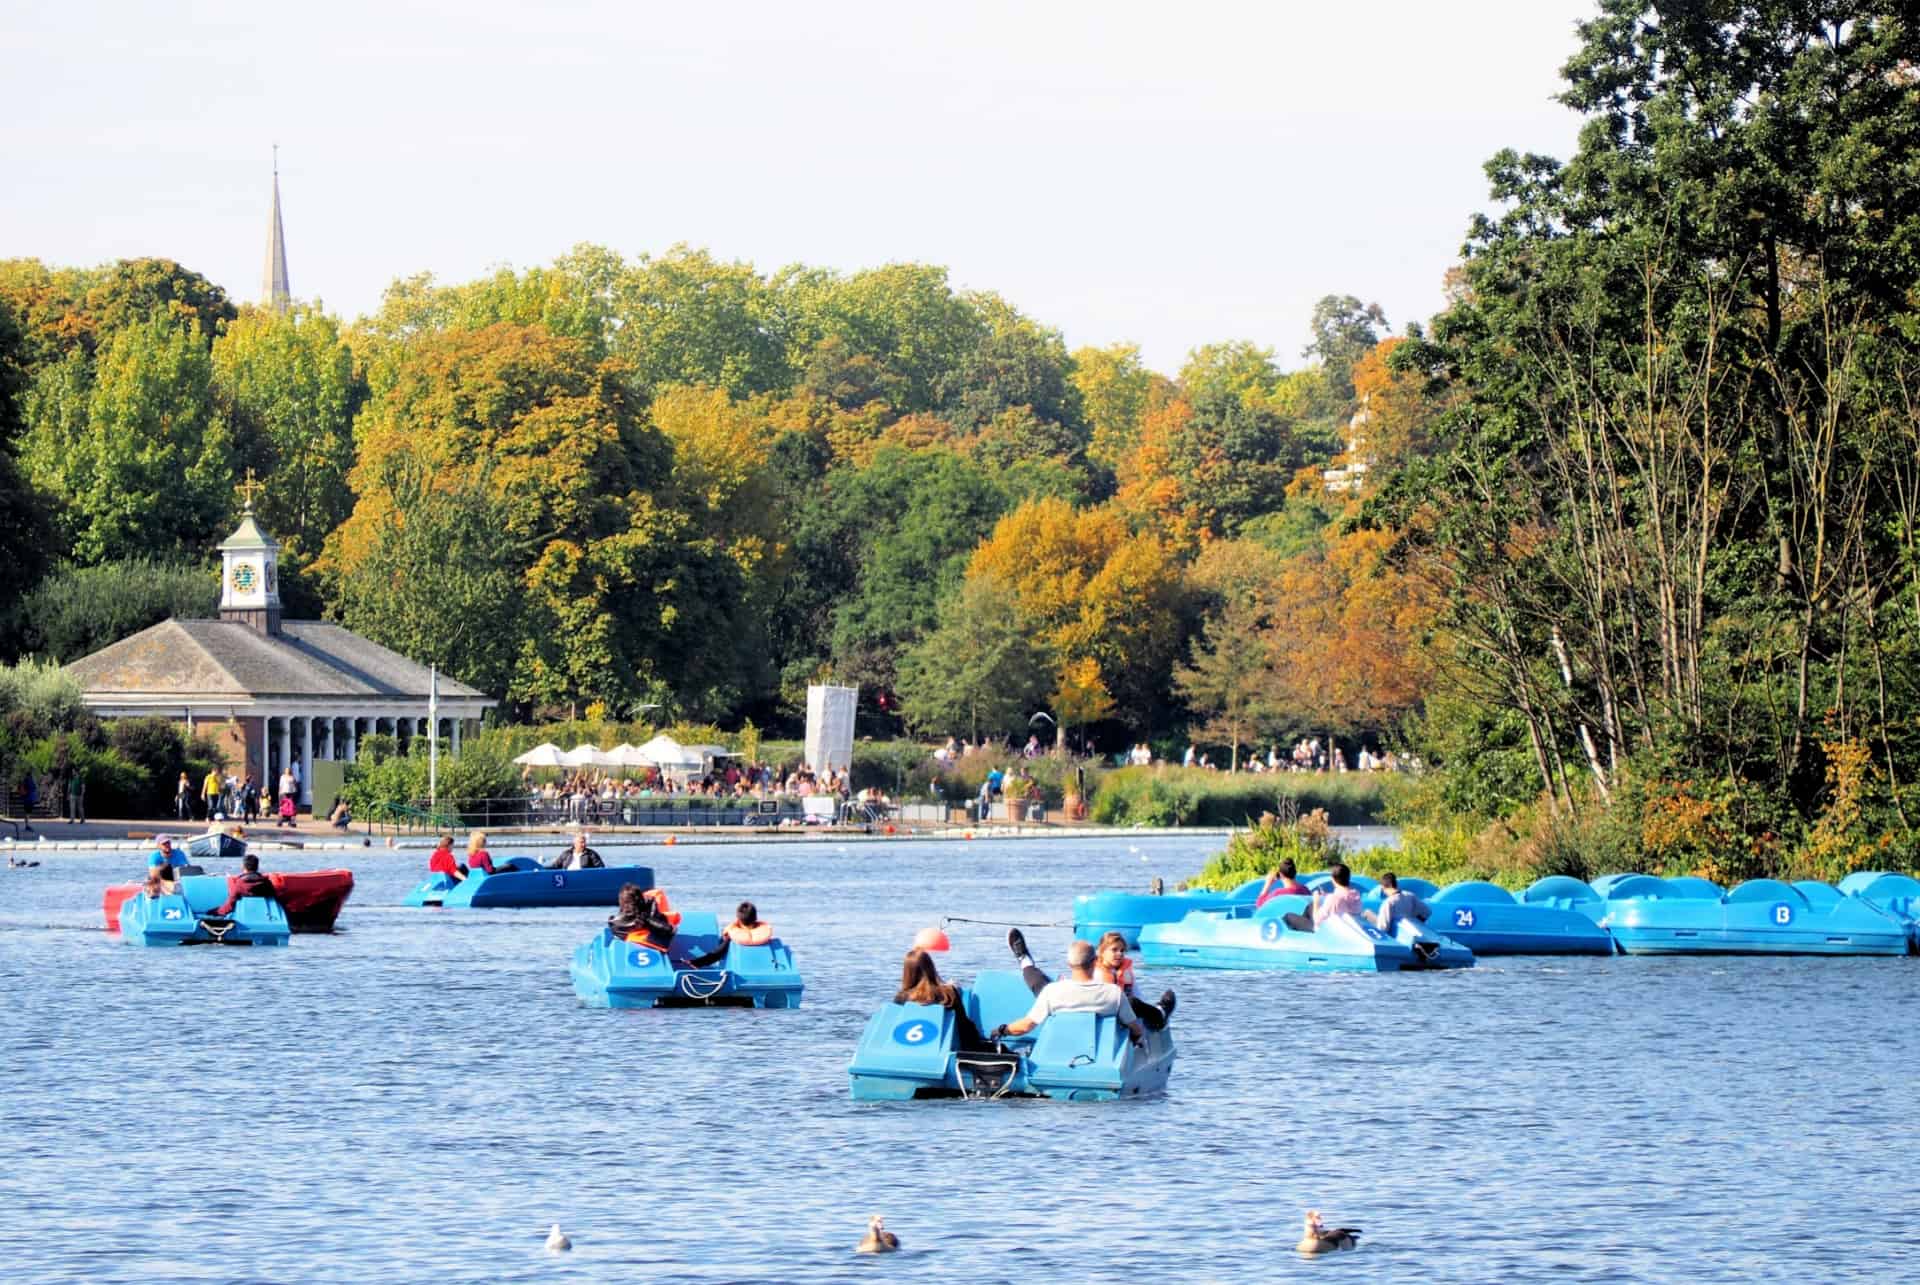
x=305, y=738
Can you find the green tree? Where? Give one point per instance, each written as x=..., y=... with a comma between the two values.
x=1230, y=682
x=1344, y=331
x=1114, y=386
x=78, y=610
x=444, y=585
x=138, y=463
x=905, y=316
x=1678, y=456
x=22, y=514
x=687, y=318
x=983, y=668
x=289, y=382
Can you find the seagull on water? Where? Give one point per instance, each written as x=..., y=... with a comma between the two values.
x=878, y=1239
x=557, y=1242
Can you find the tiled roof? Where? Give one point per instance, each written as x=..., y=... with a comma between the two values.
x=309, y=658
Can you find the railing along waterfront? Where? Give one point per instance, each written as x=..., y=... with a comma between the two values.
x=656, y=810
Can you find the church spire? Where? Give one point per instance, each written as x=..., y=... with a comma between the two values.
x=273, y=286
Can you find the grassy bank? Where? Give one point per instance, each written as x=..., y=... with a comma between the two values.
x=1170, y=796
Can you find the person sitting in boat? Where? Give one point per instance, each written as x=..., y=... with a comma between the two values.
x=1342, y=899
x=1282, y=881
x=644, y=918
x=1111, y=963
x=1080, y=993
x=578, y=857
x=478, y=858
x=1397, y=905
x=442, y=862
x=747, y=929
x=920, y=984
x=165, y=856
x=248, y=883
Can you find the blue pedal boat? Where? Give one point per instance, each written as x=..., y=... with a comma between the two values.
x=908, y=1051
x=187, y=918
x=1554, y=916
x=1099, y=913
x=524, y=882
x=1898, y=895
x=1648, y=915
x=1244, y=938
x=611, y=972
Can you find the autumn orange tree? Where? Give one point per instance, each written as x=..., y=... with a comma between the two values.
x=1093, y=588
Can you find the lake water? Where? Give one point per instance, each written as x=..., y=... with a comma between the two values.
x=419, y=1096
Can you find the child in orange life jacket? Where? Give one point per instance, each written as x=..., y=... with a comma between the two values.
x=745, y=929
x=1111, y=963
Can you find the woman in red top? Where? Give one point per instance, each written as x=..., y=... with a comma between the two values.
x=478, y=858
x=1281, y=883
x=442, y=862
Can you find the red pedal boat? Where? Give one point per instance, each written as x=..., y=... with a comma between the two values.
x=311, y=898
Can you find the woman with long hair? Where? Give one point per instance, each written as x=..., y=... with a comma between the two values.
x=920, y=984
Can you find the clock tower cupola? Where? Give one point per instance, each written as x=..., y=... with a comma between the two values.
x=250, y=571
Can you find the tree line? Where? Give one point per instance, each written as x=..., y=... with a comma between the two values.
x=678, y=482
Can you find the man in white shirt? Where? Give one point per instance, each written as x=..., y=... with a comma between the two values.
x=1079, y=993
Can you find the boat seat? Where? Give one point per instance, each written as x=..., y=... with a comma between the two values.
x=997, y=997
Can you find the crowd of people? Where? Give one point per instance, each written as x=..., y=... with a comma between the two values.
x=1309, y=754
x=585, y=795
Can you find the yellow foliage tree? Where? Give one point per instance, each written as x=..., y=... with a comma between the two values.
x=1092, y=587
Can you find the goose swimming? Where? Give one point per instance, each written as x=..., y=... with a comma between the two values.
x=878, y=1239
x=1318, y=1238
x=557, y=1242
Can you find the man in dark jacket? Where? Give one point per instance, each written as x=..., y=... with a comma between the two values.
x=248, y=883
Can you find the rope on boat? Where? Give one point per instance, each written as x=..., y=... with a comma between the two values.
x=1005, y=923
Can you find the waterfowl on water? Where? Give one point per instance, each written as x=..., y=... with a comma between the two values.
x=557, y=1242
x=878, y=1239
x=1318, y=1238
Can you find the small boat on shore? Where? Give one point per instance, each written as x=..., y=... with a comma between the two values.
x=311, y=899
x=524, y=882
x=909, y=1051
x=1240, y=937
x=188, y=917
x=1648, y=915
x=611, y=972
x=1554, y=916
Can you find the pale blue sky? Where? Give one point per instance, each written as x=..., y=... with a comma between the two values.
x=1167, y=174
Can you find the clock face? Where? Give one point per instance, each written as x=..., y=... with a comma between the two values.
x=245, y=578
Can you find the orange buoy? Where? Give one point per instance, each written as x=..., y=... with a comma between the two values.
x=934, y=938
x=672, y=839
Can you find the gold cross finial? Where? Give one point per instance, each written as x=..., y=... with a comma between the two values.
x=248, y=488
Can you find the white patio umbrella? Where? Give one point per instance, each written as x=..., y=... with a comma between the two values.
x=547, y=755
x=584, y=755
x=627, y=756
